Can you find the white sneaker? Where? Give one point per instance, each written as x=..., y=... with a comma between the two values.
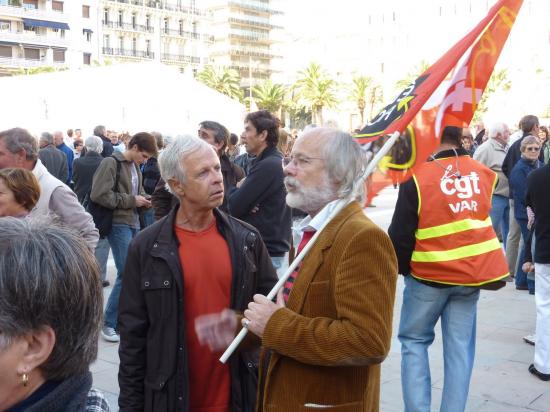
x=109, y=334
x=530, y=339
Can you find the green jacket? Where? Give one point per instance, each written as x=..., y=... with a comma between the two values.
x=121, y=199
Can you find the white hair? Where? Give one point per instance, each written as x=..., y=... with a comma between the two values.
x=497, y=128
x=171, y=163
x=94, y=144
x=344, y=159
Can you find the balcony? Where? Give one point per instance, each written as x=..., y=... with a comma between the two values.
x=15, y=62
x=180, y=58
x=250, y=36
x=254, y=6
x=128, y=26
x=37, y=14
x=29, y=37
x=162, y=5
x=180, y=33
x=253, y=23
x=143, y=54
x=253, y=52
x=262, y=68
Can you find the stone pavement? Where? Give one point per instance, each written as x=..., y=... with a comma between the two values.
x=500, y=380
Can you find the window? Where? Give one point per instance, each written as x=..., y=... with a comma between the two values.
x=5, y=51
x=134, y=44
x=57, y=6
x=120, y=17
x=5, y=25
x=59, y=56
x=148, y=47
x=106, y=41
x=32, y=54
x=148, y=21
x=121, y=42
x=30, y=4
x=106, y=15
x=88, y=36
x=166, y=24
x=86, y=12
x=87, y=58
x=181, y=27
x=134, y=20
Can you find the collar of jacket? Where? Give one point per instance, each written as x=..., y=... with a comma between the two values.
x=497, y=145
x=39, y=169
x=120, y=157
x=267, y=152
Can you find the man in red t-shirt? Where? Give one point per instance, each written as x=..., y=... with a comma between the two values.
x=187, y=281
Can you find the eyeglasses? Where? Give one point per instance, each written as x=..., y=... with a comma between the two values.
x=532, y=149
x=299, y=161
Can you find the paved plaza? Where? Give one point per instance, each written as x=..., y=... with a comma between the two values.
x=500, y=381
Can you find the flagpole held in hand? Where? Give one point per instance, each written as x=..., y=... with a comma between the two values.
x=337, y=208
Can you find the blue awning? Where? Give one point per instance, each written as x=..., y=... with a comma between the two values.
x=44, y=23
x=88, y=31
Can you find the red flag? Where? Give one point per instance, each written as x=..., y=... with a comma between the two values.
x=446, y=94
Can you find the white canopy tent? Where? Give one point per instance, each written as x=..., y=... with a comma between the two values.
x=128, y=97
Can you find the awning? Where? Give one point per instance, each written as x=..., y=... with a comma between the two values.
x=44, y=23
x=87, y=31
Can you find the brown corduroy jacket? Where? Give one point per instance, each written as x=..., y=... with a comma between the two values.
x=326, y=346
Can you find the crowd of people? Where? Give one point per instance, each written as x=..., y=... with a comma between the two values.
x=202, y=226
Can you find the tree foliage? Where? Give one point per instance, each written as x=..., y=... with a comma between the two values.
x=498, y=81
x=269, y=96
x=223, y=80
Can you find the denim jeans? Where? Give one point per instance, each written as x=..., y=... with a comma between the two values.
x=500, y=206
x=148, y=217
x=102, y=255
x=423, y=305
x=119, y=239
x=521, y=276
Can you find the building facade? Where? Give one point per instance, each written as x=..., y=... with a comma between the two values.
x=172, y=32
x=47, y=33
x=244, y=32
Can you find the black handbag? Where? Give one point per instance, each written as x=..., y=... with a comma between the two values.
x=103, y=216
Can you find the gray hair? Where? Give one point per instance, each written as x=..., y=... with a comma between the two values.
x=527, y=140
x=46, y=137
x=99, y=130
x=94, y=144
x=18, y=139
x=497, y=128
x=344, y=159
x=48, y=277
x=171, y=163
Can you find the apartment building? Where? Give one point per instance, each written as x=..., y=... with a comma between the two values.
x=53, y=33
x=244, y=32
x=172, y=32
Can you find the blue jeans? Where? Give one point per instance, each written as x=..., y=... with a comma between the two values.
x=521, y=276
x=500, y=207
x=119, y=239
x=102, y=255
x=422, y=306
x=148, y=217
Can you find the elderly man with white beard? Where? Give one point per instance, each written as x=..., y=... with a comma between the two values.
x=330, y=328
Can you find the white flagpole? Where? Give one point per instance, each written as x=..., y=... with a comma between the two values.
x=339, y=206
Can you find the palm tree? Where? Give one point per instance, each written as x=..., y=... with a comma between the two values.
x=317, y=90
x=269, y=96
x=375, y=97
x=358, y=93
x=223, y=80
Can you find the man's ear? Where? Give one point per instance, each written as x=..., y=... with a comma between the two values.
x=263, y=135
x=38, y=346
x=176, y=187
x=20, y=158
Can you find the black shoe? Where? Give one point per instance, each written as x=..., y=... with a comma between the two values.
x=105, y=283
x=542, y=376
x=522, y=287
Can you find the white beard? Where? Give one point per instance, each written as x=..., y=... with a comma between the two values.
x=309, y=199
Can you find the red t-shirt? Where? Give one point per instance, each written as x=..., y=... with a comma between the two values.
x=207, y=274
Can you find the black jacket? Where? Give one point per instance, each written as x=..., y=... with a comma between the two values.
x=151, y=175
x=55, y=161
x=538, y=198
x=153, y=356
x=83, y=174
x=107, y=147
x=264, y=189
x=512, y=157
